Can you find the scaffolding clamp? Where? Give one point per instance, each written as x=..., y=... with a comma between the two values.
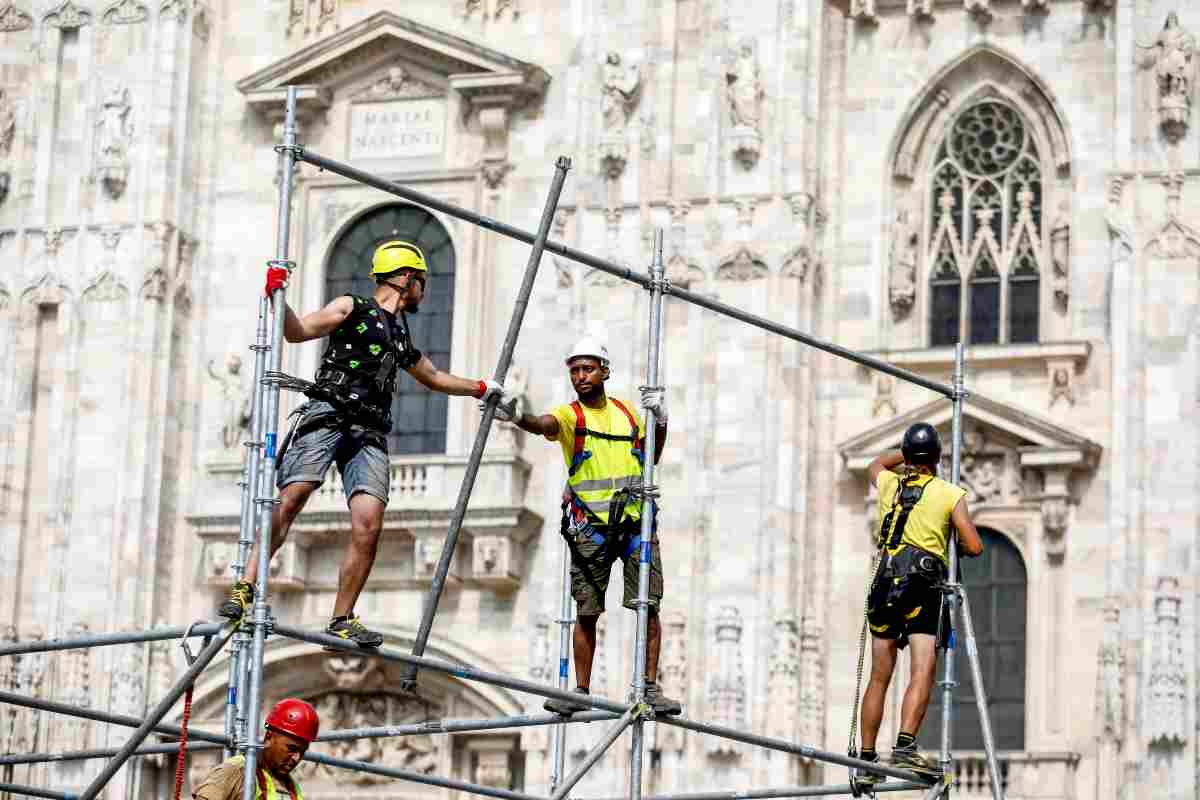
x=297, y=150
x=282, y=263
x=658, y=282
x=183, y=643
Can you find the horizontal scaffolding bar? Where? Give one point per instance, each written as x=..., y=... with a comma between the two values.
x=416, y=777
x=103, y=639
x=784, y=791
x=33, y=791
x=457, y=670
x=462, y=725
x=347, y=171
x=872, y=767
x=100, y=716
x=107, y=752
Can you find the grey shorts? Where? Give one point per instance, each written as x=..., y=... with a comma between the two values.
x=360, y=454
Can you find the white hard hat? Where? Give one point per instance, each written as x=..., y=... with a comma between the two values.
x=589, y=346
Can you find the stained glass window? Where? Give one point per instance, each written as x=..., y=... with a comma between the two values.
x=419, y=415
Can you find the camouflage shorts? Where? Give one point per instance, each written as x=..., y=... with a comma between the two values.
x=589, y=582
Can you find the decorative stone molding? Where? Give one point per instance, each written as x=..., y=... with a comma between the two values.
x=541, y=658
x=1060, y=253
x=783, y=678
x=176, y=10
x=496, y=561
x=1110, y=677
x=1172, y=55
x=493, y=760
x=427, y=549
x=13, y=19
x=125, y=12
x=114, y=134
x=1031, y=6
x=796, y=263
x=30, y=674
x=673, y=674
x=885, y=395
x=75, y=690
x=744, y=94
x=8, y=129
x=920, y=10
x=980, y=9
x=351, y=672
x=812, y=681
x=1176, y=238
x=742, y=264
x=67, y=16
x=864, y=11
x=1166, y=686
x=1062, y=381
x=494, y=164
x=564, y=269
x=902, y=280
x=472, y=7
x=727, y=686
x=620, y=93
x=510, y=7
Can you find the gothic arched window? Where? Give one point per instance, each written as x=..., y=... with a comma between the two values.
x=419, y=415
x=996, y=589
x=986, y=197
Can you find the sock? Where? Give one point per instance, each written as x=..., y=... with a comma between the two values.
x=905, y=740
x=335, y=620
x=583, y=689
x=869, y=754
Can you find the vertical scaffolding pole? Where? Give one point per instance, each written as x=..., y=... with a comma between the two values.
x=408, y=680
x=565, y=620
x=951, y=594
x=985, y=720
x=268, y=419
x=649, y=512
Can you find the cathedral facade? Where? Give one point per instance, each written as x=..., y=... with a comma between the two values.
x=894, y=176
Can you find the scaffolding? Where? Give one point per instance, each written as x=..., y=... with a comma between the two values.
x=242, y=729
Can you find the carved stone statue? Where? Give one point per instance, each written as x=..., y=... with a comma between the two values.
x=113, y=135
x=902, y=284
x=1060, y=252
x=1172, y=56
x=885, y=395
x=743, y=90
x=1061, y=386
x=235, y=400
x=621, y=88
x=8, y=123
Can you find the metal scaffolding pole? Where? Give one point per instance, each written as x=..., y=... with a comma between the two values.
x=596, y=753
x=457, y=670
x=950, y=594
x=565, y=621
x=159, y=711
x=204, y=630
x=32, y=791
x=782, y=792
x=416, y=777
x=985, y=720
x=106, y=752
x=265, y=426
x=649, y=512
x=408, y=680
x=347, y=171
x=462, y=726
x=99, y=716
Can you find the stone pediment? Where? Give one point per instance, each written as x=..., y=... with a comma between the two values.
x=379, y=42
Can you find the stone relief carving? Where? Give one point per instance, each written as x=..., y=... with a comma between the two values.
x=510, y=7
x=727, y=686
x=114, y=132
x=129, y=684
x=162, y=665
x=494, y=164
x=920, y=9
x=1055, y=516
x=864, y=11
x=8, y=683
x=67, y=16
x=351, y=672
x=106, y=288
x=783, y=673
x=125, y=12
x=235, y=400
x=1062, y=384
x=397, y=83
x=744, y=92
x=541, y=659
x=1166, y=706
x=812, y=682
x=1172, y=56
x=621, y=89
x=902, y=283
x=564, y=271
x=980, y=9
x=1060, y=253
x=13, y=19
x=426, y=550
x=742, y=265
x=1110, y=677
x=295, y=15
x=492, y=767
x=472, y=7
x=30, y=675
x=8, y=128
x=980, y=474
x=327, y=17
x=173, y=9
x=673, y=673
x=1034, y=5
x=356, y=710
x=76, y=689
x=885, y=395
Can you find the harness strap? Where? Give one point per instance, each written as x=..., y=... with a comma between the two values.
x=907, y=497
x=579, y=454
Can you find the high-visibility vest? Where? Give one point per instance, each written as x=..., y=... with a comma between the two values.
x=265, y=790
x=604, y=462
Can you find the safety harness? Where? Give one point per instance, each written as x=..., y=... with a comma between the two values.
x=578, y=519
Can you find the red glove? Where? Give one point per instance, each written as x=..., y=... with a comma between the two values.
x=277, y=278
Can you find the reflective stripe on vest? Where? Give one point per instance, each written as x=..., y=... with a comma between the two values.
x=265, y=788
x=595, y=484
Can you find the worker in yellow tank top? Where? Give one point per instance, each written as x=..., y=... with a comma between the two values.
x=291, y=727
x=916, y=510
x=601, y=442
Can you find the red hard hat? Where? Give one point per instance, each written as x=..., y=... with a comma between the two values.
x=295, y=717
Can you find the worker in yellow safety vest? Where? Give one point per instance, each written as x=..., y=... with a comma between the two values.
x=292, y=725
x=601, y=441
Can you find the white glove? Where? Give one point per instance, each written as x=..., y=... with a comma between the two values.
x=506, y=404
x=654, y=399
x=490, y=388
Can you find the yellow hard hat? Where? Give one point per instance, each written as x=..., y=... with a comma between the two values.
x=395, y=255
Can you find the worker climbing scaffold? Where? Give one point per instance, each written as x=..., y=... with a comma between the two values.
x=348, y=416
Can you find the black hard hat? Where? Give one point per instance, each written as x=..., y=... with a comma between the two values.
x=921, y=444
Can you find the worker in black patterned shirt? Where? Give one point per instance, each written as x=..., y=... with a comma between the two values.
x=348, y=417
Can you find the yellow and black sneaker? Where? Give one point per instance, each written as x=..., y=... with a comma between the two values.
x=908, y=758
x=352, y=629
x=241, y=595
x=865, y=780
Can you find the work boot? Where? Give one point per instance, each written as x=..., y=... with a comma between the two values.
x=351, y=629
x=908, y=758
x=567, y=707
x=867, y=781
x=241, y=595
x=662, y=705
